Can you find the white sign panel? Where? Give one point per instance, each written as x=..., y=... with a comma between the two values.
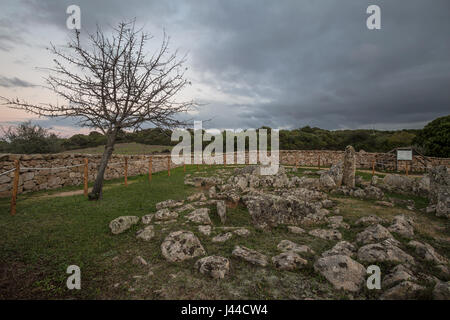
x=404, y=155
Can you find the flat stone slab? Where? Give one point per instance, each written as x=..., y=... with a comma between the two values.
x=181, y=245
x=342, y=271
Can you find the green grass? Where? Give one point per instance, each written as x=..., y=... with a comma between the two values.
x=129, y=148
x=50, y=233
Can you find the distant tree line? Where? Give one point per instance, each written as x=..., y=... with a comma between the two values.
x=432, y=140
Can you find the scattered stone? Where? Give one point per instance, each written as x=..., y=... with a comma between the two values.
x=343, y=248
x=403, y=226
x=441, y=291
x=199, y=196
x=168, y=204
x=348, y=172
x=250, y=255
x=326, y=181
x=146, y=234
x=398, y=274
x=287, y=245
x=326, y=234
x=288, y=261
x=372, y=219
x=123, y=223
x=337, y=222
x=405, y=290
x=206, y=230
x=147, y=219
x=242, y=232
x=342, y=271
x=140, y=261
x=215, y=266
x=186, y=207
x=222, y=211
x=385, y=251
x=296, y=230
x=212, y=192
x=222, y=237
x=200, y=216
x=373, y=234
x=165, y=214
x=181, y=245
x=427, y=252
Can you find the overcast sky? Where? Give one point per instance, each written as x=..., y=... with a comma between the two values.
x=284, y=64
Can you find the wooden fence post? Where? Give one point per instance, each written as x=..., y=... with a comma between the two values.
x=184, y=167
x=224, y=160
x=373, y=168
x=86, y=176
x=15, y=187
x=150, y=165
x=406, y=168
x=168, y=166
x=126, y=171
x=318, y=162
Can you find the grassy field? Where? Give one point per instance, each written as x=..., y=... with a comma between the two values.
x=50, y=233
x=129, y=148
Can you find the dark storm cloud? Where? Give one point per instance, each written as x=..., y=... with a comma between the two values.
x=14, y=82
x=299, y=62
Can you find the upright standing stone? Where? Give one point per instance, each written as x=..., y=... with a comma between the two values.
x=348, y=178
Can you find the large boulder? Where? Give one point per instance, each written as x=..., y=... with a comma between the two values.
x=123, y=223
x=427, y=252
x=336, y=172
x=402, y=225
x=269, y=210
x=326, y=181
x=250, y=255
x=374, y=233
x=385, y=251
x=181, y=245
x=349, y=170
x=342, y=271
x=215, y=266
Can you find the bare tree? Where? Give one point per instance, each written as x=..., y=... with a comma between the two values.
x=112, y=85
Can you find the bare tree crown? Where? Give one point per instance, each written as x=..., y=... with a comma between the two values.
x=113, y=84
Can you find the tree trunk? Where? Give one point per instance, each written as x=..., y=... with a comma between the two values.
x=97, y=189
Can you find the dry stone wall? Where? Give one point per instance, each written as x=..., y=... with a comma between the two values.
x=34, y=180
